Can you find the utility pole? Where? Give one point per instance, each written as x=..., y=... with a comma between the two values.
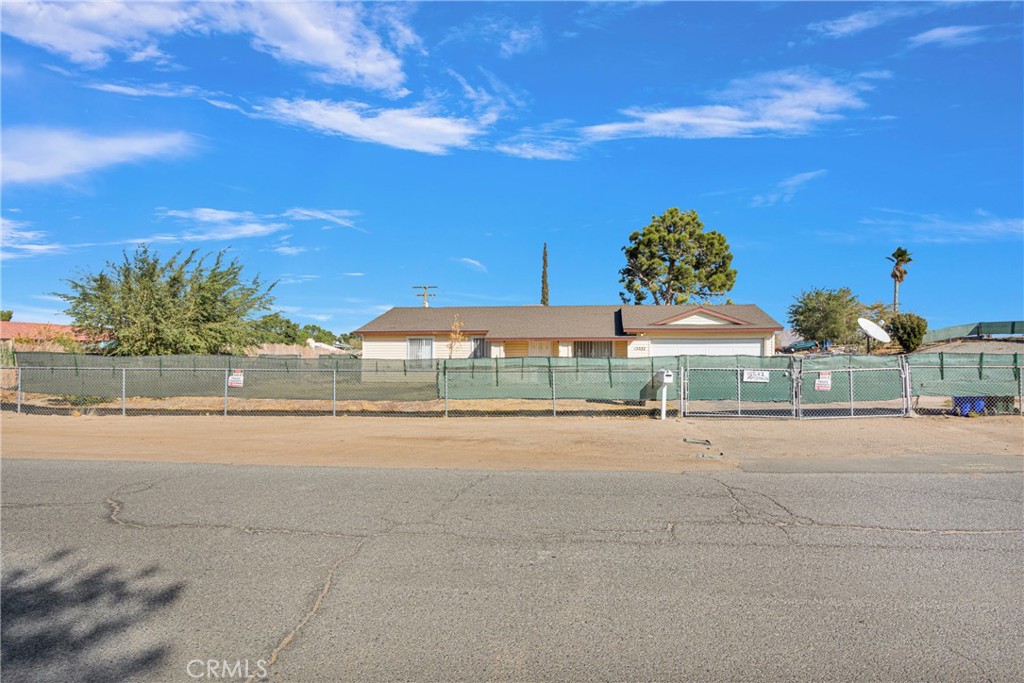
x=426, y=294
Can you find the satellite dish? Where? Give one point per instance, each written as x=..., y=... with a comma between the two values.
x=873, y=330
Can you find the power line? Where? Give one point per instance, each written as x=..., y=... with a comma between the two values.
x=426, y=294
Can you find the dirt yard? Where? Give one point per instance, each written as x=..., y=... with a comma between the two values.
x=582, y=444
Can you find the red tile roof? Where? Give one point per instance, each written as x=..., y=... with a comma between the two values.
x=39, y=332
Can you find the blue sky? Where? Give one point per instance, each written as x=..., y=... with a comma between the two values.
x=353, y=151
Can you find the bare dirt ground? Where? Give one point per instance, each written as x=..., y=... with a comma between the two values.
x=564, y=444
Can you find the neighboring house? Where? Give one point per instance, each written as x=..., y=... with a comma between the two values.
x=570, y=332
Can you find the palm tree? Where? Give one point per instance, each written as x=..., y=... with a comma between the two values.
x=900, y=258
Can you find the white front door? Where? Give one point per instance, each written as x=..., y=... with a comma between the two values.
x=539, y=349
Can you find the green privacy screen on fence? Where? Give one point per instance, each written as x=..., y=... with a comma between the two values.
x=965, y=374
x=701, y=378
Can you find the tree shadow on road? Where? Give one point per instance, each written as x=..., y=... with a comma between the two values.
x=66, y=620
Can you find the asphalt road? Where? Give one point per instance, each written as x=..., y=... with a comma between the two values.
x=170, y=572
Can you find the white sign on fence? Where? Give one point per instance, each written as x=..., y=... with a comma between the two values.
x=236, y=380
x=824, y=382
x=755, y=376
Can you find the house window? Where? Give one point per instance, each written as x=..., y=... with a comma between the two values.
x=420, y=351
x=481, y=348
x=592, y=349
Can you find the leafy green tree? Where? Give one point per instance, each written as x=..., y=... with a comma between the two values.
x=274, y=328
x=5, y=316
x=544, y=278
x=900, y=258
x=907, y=330
x=317, y=333
x=673, y=260
x=190, y=304
x=826, y=315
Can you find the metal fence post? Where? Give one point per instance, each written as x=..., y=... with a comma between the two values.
x=798, y=388
x=850, y=374
x=739, y=392
x=554, y=400
x=445, y=389
x=19, y=390
x=334, y=392
x=227, y=372
x=681, y=390
x=124, y=394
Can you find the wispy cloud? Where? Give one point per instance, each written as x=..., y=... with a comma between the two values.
x=342, y=217
x=206, y=224
x=864, y=20
x=418, y=129
x=151, y=90
x=791, y=102
x=41, y=155
x=87, y=33
x=949, y=36
x=339, y=42
x=512, y=38
x=17, y=240
x=555, y=141
x=353, y=274
x=786, y=189
x=910, y=227
x=472, y=264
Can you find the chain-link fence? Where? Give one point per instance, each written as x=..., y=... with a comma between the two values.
x=730, y=386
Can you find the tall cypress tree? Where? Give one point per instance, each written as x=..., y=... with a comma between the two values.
x=544, y=278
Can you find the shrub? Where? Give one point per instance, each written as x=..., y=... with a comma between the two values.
x=907, y=330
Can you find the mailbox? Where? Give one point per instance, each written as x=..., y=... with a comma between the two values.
x=665, y=377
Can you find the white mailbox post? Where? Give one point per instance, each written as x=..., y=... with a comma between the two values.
x=665, y=377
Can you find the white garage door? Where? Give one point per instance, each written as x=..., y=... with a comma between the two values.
x=705, y=347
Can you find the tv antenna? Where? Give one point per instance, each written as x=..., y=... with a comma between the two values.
x=873, y=331
x=426, y=293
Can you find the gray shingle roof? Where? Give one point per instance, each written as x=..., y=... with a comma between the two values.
x=552, y=322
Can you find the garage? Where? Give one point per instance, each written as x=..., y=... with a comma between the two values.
x=706, y=347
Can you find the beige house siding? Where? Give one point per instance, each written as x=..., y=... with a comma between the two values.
x=384, y=348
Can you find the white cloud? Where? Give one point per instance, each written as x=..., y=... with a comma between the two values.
x=517, y=40
x=40, y=155
x=353, y=274
x=547, y=150
x=18, y=241
x=203, y=215
x=87, y=32
x=786, y=189
x=288, y=250
x=332, y=38
x=791, y=102
x=336, y=40
x=860, y=21
x=938, y=229
x=152, y=90
x=415, y=129
x=949, y=36
x=554, y=141
x=511, y=38
x=472, y=264
x=342, y=217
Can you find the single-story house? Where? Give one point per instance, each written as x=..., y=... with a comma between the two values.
x=39, y=332
x=570, y=331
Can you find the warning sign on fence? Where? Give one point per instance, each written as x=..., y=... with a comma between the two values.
x=236, y=380
x=824, y=382
x=755, y=376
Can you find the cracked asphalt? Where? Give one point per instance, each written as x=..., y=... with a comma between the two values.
x=137, y=571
